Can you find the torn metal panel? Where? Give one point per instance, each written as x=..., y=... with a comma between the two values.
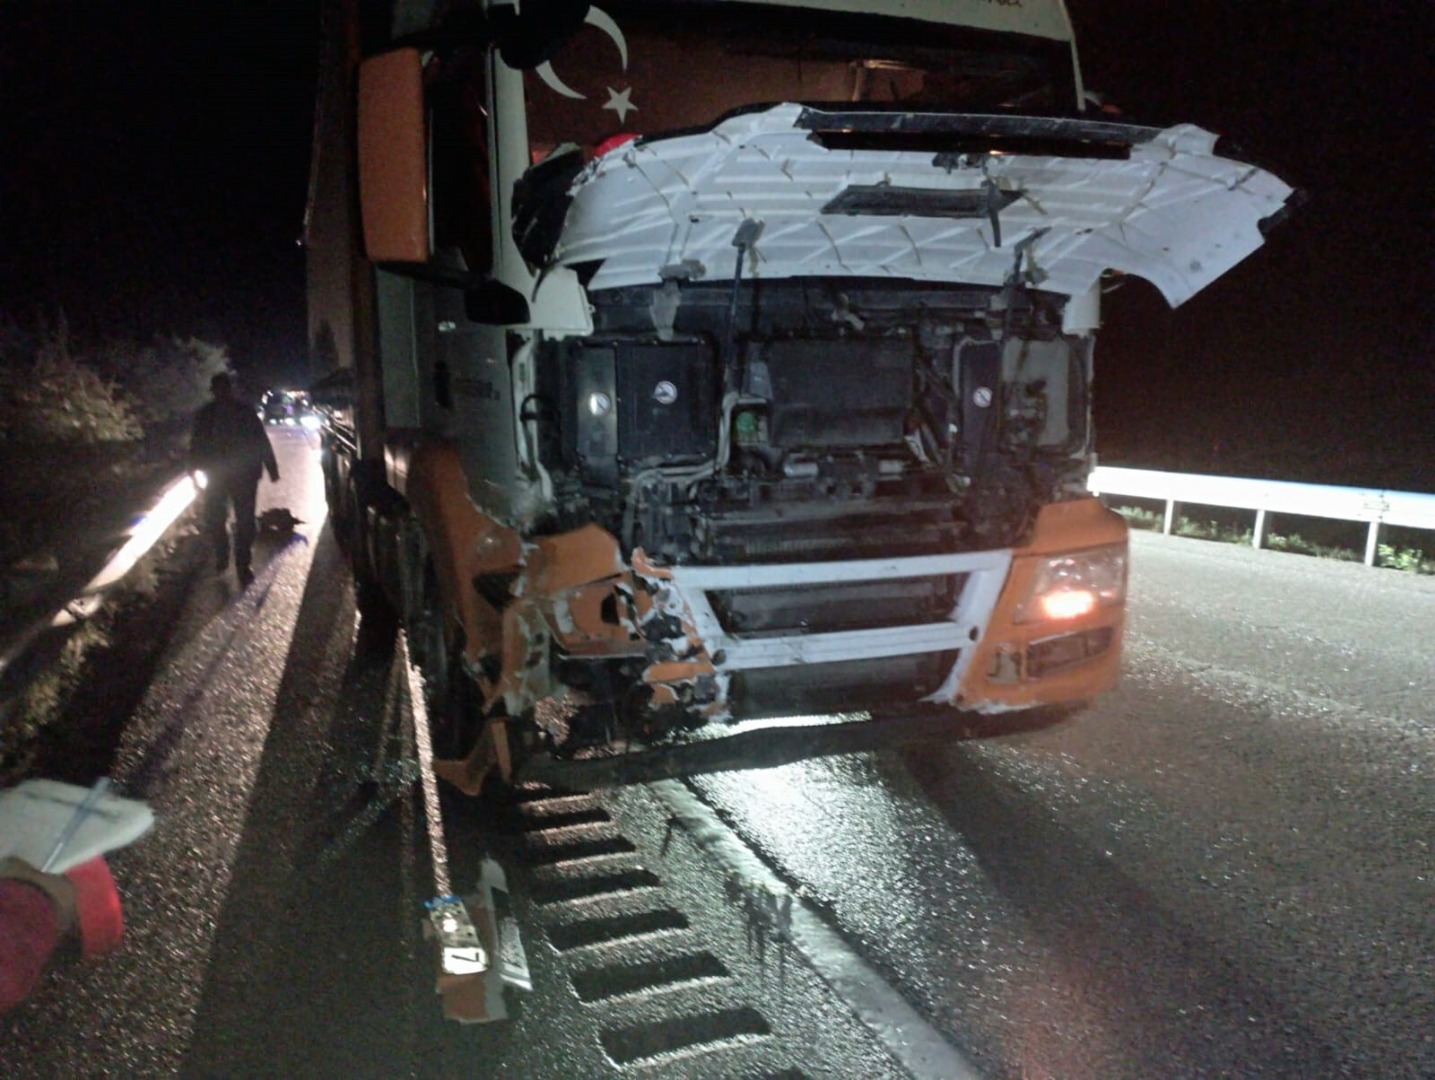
x=1169, y=210
x=594, y=619
x=693, y=647
x=570, y=559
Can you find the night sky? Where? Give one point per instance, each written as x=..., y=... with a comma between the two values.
x=154, y=176
x=1315, y=358
x=155, y=169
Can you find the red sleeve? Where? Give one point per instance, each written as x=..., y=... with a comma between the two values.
x=29, y=932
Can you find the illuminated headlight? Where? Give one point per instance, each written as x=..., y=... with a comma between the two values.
x=311, y=422
x=1070, y=586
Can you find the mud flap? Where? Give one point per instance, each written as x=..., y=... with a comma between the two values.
x=480, y=949
x=490, y=749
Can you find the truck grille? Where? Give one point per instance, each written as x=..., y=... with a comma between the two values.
x=847, y=686
x=828, y=608
x=825, y=541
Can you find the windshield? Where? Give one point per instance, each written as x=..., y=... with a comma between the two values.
x=648, y=68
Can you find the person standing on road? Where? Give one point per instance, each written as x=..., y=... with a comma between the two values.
x=230, y=446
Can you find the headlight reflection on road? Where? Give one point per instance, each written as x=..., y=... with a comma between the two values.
x=143, y=536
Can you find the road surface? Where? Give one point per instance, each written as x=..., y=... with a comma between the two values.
x=1221, y=869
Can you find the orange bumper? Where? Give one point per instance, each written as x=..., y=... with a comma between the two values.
x=1020, y=665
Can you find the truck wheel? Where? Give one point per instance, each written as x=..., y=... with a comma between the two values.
x=371, y=602
x=453, y=700
x=351, y=528
x=423, y=618
x=369, y=595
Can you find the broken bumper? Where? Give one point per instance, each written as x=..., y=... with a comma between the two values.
x=742, y=641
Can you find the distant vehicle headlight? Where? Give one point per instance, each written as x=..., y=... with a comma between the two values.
x=311, y=422
x=1069, y=586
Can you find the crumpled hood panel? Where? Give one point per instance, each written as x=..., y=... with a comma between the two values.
x=1171, y=212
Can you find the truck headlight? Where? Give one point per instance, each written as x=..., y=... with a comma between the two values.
x=1069, y=586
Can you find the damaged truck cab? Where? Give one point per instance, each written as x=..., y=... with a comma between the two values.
x=693, y=361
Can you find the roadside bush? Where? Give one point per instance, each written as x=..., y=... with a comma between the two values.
x=1140, y=518
x=52, y=391
x=1404, y=558
x=165, y=382
x=1296, y=544
x=51, y=397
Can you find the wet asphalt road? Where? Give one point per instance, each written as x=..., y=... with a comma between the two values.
x=241, y=904
x=1222, y=869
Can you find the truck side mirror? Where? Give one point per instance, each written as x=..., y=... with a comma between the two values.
x=393, y=172
x=532, y=38
x=495, y=304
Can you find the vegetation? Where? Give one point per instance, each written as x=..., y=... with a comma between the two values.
x=43, y=700
x=165, y=381
x=1404, y=558
x=1228, y=531
x=82, y=427
x=51, y=397
x=56, y=392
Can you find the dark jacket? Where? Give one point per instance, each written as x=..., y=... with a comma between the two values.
x=229, y=439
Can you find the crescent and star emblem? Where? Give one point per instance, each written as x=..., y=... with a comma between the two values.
x=620, y=101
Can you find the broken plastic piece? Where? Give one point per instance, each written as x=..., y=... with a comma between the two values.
x=512, y=959
x=482, y=951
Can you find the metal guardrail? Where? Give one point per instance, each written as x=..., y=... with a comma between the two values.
x=142, y=535
x=1372, y=507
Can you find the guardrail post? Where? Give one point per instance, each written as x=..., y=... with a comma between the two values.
x=1372, y=543
x=1258, y=534
x=1170, y=516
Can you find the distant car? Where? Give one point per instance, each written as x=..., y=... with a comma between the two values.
x=285, y=407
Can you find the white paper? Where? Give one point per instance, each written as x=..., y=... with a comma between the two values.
x=37, y=813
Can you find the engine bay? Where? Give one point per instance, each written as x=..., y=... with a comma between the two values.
x=796, y=420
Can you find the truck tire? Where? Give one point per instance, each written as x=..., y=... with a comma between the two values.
x=371, y=603
x=454, y=706
x=369, y=597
